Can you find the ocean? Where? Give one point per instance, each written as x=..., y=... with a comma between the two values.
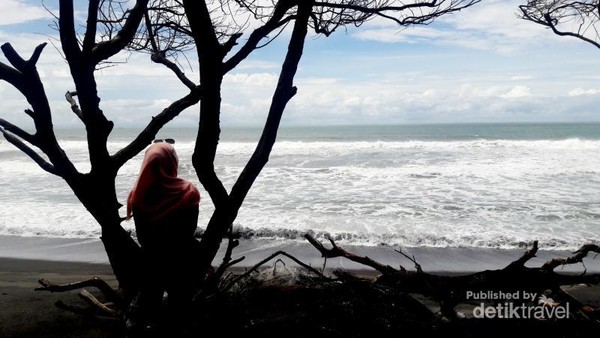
x=498, y=186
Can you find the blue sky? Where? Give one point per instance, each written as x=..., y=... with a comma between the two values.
x=479, y=65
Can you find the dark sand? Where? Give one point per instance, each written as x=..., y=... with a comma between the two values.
x=28, y=313
x=433, y=260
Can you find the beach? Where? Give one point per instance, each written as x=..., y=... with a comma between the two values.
x=28, y=313
x=433, y=260
x=458, y=198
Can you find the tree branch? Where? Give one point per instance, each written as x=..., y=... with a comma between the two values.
x=336, y=251
x=74, y=107
x=18, y=132
x=96, y=282
x=577, y=258
x=262, y=262
x=413, y=260
x=284, y=92
x=159, y=57
x=106, y=49
x=29, y=152
x=12, y=76
x=454, y=5
x=227, y=262
x=157, y=122
x=13, y=57
x=258, y=34
x=529, y=254
x=210, y=60
x=231, y=42
x=89, y=40
x=68, y=37
x=88, y=297
x=552, y=13
x=35, y=94
x=329, y=16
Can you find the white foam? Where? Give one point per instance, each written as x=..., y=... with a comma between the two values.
x=477, y=193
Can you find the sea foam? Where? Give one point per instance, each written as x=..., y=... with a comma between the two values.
x=439, y=193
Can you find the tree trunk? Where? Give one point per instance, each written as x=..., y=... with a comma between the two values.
x=228, y=205
x=98, y=195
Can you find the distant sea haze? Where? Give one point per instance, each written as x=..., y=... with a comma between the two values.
x=455, y=185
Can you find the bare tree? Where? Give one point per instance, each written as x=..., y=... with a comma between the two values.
x=219, y=35
x=579, y=19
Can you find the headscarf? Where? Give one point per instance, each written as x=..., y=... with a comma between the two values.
x=158, y=191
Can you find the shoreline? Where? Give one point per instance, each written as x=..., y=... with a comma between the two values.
x=28, y=313
x=432, y=260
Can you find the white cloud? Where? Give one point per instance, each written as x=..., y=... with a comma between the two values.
x=18, y=11
x=251, y=79
x=489, y=25
x=517, y=92
x=407, y=84
x=581, y=91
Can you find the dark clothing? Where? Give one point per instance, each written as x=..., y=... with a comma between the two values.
x=171, y=230
x=169, y=250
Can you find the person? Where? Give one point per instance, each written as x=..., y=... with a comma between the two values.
x=165, y=211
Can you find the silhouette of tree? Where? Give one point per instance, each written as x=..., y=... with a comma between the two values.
x=214, y=35
x=578, y=19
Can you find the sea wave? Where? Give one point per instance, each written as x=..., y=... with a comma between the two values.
x=424, y=240
x=459, y=193
x=281, y=235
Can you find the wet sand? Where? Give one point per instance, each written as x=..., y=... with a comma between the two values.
x=28, y=313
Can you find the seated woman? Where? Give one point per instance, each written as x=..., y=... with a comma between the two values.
x=165, y=211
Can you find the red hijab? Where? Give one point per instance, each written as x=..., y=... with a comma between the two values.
x=158, y=191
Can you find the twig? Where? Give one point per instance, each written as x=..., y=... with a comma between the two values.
x=412, y=259
x=261, y=263
x=577, y=258
x=74, y=107
x=79, y=310
x=227, y=262
x=85, y=295
x=336, y=251
x=275, y=265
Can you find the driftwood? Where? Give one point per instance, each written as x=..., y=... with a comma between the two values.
x=113, y=309
x=110, y=293
x=451, y=290
x=447, y=291
x=253, y=269
x=577, y=258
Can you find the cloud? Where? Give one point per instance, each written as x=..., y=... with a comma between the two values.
x=18, y=11
x=417, y=80
x=491, y=25
x=517, y=92
x=251, y=79
x=581, y=91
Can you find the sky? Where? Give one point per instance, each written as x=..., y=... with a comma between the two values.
x=482, y=65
